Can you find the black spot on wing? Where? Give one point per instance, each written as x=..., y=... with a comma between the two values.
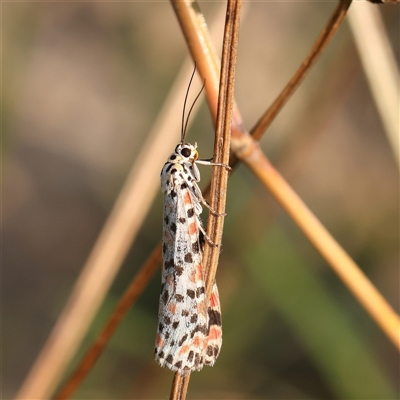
x=199, y=291
x=178, y=270
x=165, y=296
x=173, y=227
x=195, y=247
x=199, y=328
x=175, y=324
x=188, y=258
x=190, y=293
x=193, y=318
x=210, y=351
x=169, y=264
x=190, y=356
x=179, y=298
x=184, y=337
x=182, y=220
x=214, y=317
x=169, y=359
x=197, y=359
x=190, y=212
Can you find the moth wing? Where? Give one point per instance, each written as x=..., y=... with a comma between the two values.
x=214, y=338
x=183, y=318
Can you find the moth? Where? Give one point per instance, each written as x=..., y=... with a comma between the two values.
x=189, y=333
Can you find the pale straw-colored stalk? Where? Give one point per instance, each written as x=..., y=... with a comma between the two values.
x=380, y=67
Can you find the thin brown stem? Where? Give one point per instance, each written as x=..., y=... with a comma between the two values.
x=322, y=41
x=179, y=386
x=219, y=180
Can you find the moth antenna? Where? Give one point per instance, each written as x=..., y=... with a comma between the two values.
x=183, y=128
x=184, y=125
x=191, y=108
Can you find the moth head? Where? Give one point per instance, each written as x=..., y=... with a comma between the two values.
x=187, y=152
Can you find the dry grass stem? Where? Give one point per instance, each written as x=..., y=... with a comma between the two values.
x=219, y=179
x=131, y=294
x=179, y=386
x=322, y=41
x=380, y=67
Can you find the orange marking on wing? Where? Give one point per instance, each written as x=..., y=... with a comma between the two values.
x=159, y=341
x=192, y=276
x=215, y=333
x=187, y=199
x=192, y=228
x=199, y=272
x=184, y=350
x=201, y=308
x=172, y=307
x=214, y=301
x=198, y=342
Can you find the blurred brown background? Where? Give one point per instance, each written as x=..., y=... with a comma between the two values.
x=81, y=86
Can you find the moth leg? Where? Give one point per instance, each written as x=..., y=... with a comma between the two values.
x=199, y=195
x=206, y=237
x=209, y=162
x=212, y=211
